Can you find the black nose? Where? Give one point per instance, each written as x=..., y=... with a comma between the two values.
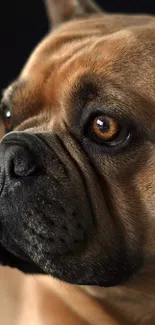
x=17, y=156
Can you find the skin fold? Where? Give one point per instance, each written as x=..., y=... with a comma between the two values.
x=77, y=211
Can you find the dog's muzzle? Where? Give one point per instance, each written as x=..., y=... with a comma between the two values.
x=40, y=215
x=18, y=159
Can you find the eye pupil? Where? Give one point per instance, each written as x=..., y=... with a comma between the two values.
x=105, y=128
x=103, y=125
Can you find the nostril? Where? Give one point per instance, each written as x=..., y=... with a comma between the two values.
x=20, y=155
x=23, y=162
x=18, y=160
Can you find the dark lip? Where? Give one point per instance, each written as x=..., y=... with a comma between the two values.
x=26, y=266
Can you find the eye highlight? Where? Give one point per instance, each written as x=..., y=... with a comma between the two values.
x=7, y=117
x=106, y=130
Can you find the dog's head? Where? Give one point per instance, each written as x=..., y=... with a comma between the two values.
x=77, y=176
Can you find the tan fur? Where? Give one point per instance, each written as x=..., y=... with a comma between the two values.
x=109, y=48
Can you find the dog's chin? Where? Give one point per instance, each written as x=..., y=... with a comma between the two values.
x=73, y=274
x=76, y=267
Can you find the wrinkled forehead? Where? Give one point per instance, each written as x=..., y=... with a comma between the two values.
x=71, y=69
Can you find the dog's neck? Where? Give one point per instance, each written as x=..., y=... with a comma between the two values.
x=130, y=303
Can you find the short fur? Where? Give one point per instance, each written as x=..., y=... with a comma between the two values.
x=77, y=211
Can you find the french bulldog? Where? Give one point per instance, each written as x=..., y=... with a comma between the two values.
x=77, y=182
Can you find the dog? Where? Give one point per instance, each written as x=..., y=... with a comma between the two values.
x=77, y=172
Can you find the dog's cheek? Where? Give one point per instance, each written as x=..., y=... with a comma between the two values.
x=133, y=204
x=145, y=185
x=128, y=185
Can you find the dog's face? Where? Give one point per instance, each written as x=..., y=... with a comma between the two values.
x=77, y=175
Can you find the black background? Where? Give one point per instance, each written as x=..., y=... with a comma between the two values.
x=23, y=23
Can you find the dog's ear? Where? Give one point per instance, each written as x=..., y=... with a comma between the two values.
x=60, y=11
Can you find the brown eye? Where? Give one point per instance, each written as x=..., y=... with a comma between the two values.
x=7, y=118
x=105, y=128
x=108, y=131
